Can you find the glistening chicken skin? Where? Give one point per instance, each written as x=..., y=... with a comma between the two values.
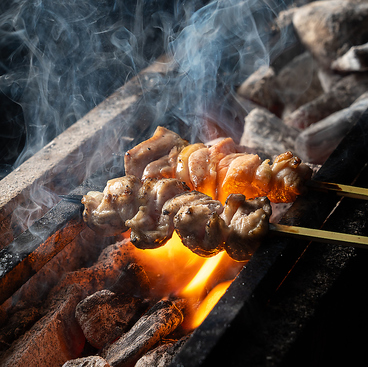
x=221, y=169
x=159, y=207
x=216, y=197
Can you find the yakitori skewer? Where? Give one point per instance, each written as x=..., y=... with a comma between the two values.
x=341, y=190
x=318, y=235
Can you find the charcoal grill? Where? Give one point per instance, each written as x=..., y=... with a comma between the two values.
x=266, y=317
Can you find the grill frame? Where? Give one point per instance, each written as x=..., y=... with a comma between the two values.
x=257, y=285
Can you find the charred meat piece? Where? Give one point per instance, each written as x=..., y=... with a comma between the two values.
x=106, y=212
x=247, y=221
x=159, y=145
x=146, y=232
x=199, y=225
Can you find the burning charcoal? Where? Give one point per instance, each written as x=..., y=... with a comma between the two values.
x=162, y=355
x=158, y=322
x=260, y=88
x=54, y=339
x=356, y=59
x=17, y=325
x=133, y=280
x=297, y=82
x=346, y=91
x=266, y=132
x=326, y=27
x=104, y=316
x=156, y=357
x=318, y=141
x=91, y=361
x=103, y=274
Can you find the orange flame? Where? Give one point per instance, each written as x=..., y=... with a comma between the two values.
x=175, y=270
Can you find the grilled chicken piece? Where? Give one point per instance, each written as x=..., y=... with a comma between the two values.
x=239, y=177
x=182, y=166
x=146, y=230
x=247, y=221
x=107, y=212
x=199, y=225
x=162, y=168
x=159, y=145
x=219, y=170
x=203, y=165
x=288, y=177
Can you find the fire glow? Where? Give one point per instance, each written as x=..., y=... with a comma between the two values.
x=175, y=271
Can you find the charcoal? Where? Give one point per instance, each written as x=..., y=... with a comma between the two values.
x=101, y=275
x=356, y=59
x=159, y=321
x=318, y=141
x=105, y=316
x=133, y=280
x=54, y=339
x=91, y=361
x=259, y=87
x=17, y=325
x=297, y=83
x=266, y=132
x=346, y=91
x=162, y=355
x=326, y=28
x=156, y=357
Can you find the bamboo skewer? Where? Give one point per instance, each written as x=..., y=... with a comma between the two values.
x=341, y=190
x=310, y=234
x=319, y=235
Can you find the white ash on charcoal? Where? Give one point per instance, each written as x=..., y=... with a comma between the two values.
x=356, y=59
x=105, y=316
x=103, y=274
x=344, y=93
x=54, y=339
x=162, y=355
x=298, y=83
x=329, y=28
x=259, y=87
x=266, y=132
x=161, y=320
x=91, y=361
x=29, y=304
x=318, y=141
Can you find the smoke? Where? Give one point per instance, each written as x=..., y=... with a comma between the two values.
x=222, y=44
x=62, y=58
x=59, y=59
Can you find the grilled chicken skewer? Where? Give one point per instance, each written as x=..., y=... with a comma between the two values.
x=170, y=195
x=218, y=170
x=158, y=207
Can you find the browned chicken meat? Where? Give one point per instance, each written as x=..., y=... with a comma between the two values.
x=106, y=212
x=154, y=209
x=247, y=221
x=162, y=143
x=147, y=231
x=218, y=170
x=198, y=223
